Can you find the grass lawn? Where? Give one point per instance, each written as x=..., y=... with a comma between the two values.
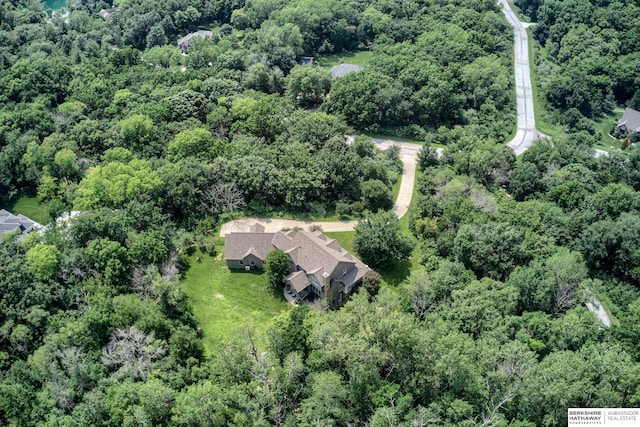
x=392, y=137
x=30, y=207
x=227, y=302
x=603, y=126
x=345, y=238
x=360, y=57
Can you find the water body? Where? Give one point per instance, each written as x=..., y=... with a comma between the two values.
x=53, y=4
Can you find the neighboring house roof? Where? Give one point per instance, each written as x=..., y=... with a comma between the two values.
x=344, y=69
x=185, y=42
x=630, y=119
x=105, y=13
x=238, y=245
x=10, y=223
x=314, y=253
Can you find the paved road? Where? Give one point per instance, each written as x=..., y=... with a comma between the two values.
x=526, y=133
x=408, y=155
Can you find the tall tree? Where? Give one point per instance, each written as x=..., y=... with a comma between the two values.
x=379, y=240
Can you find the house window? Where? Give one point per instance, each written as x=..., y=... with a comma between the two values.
x=253, y=263
x=241, y=262
x=340, y=297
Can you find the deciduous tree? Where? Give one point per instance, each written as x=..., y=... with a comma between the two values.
x=379, y=240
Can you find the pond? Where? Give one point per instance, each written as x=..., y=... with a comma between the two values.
x=53, y=4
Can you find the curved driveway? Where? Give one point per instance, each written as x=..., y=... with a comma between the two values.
x=408, y=155
x=526, y=133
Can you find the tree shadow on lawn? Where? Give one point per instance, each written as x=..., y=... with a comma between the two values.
x=396, y=273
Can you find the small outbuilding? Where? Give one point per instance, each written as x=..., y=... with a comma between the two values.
x=344, y=69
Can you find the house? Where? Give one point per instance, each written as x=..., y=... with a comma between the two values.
x=19, y=224
x=105, y=13
x=628, y=124
x=344, y=69
x=319, y=267
x=185, y=43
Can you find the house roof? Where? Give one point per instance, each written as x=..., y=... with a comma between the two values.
x=630, y=119
x=298, y=280
x=320, y=256
x=10, y=222
x=105, y=13
x=314, y=253
x=344, y=69
x=257, y=228
x=238, y=245
x=186, y=40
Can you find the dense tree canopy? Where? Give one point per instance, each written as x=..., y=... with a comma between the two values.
x=473, y=320
x=594, y=50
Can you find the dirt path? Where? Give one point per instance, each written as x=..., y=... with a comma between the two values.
x=408, y=155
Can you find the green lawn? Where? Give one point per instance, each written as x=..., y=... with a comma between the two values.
x=30, y=207
x=360, y=57
x=227, y=302
x=345, y=238
x=603, y=126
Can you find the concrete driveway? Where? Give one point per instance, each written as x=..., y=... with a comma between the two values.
x=526, y=133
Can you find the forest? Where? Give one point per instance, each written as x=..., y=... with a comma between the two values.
x=593, y=58
x=157, y=148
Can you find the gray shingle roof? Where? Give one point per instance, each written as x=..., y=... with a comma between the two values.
x=630, y=119
x=239, y=245
x=105, y=13
x=298, y=281
x=314, y=253
x=10, y=223
x=344, y=69
x=185, y=42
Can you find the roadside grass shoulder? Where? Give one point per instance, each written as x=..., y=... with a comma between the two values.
x=545, y=121
x=227, y=302
x=519, y=13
